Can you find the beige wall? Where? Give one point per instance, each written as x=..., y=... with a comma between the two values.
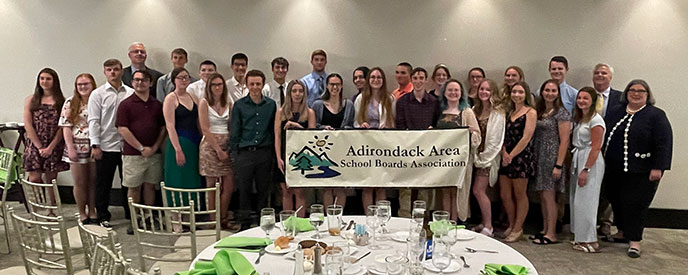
x=641, y=39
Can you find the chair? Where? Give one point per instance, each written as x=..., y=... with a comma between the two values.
x=38, y=197
x=156, y=232
x=9, y=173
x=200, y=196
x=106, y=261
x=38, y=248
x=91, y=235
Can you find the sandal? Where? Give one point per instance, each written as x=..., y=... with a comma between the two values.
x=633, y=252
x=536, y=236
x=544, y=241
x=487, y=232
x=515, y=236
x=586, y=247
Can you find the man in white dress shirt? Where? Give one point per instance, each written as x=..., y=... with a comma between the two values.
x=236, y=85
x=277, y=87
x=106, y=142
x=197, y=88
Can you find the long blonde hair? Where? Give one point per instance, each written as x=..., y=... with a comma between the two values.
x=385, y=99
x=495, y=100
x=286, y=106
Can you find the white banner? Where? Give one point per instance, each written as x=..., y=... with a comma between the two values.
x=377, y=158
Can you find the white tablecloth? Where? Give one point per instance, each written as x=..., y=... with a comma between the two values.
x=279, y=265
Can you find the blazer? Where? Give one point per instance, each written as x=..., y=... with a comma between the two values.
x=614, y=101
x=494, y=139
x=127, y=77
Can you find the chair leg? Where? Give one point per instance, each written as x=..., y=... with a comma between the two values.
x=7, y=229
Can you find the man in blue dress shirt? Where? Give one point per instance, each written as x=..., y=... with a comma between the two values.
x=558, y=67
x=315, y=81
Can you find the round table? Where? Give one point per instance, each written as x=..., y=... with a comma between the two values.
x=279, y=264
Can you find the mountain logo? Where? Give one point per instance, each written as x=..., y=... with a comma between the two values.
x=308, y=158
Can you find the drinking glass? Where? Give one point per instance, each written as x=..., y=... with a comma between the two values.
x=396, y=264
x=441, y=256
x=385, y=213
x=316, y=218
x=373, y=222
x=267, y=220
x=344, y=247
x=415, y=246
x=334, y=219
x=334, y=262
x=418, y=211
x=284, y=216
x=439, y=216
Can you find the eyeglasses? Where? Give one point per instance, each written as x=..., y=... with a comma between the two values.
x=140, y=80
x=637, y=91
x=138, y=51
x=182, y=78
x=83, y=84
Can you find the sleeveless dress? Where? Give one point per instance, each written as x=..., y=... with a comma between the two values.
x=522, y=165
x=186, y=176
x=294, y=118
x=546, y=144
x=209, y=163
x=45, y=123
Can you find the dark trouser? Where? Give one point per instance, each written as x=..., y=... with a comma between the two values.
x=630, y=195
x=253, y=165
x=105, y=173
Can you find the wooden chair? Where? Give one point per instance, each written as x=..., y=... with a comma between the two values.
x=156, y=234
x=9, y=173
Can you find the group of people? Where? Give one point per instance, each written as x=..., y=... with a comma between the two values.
x=192, y=133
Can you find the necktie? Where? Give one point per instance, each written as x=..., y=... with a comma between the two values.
x=599, y=105
x=281, y=88
x=321, y=86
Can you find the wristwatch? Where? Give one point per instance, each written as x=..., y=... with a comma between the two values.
x=586, y=169
x=94, y=146
x=141, y=148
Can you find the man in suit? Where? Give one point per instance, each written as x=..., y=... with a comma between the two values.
x=607, y=99
x=137, y=55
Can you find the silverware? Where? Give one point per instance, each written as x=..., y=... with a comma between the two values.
x=465, y=265
x=471, y=250
x=260, y=254
x=364, y=255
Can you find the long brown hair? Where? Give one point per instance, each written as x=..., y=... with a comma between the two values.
x=494, y=97
x=541, y=107
x=209, y=93
x=527, y=100
x=39, y=92
x=385, y=98
x=286, y=106
x=578, y=116
x=78, y=100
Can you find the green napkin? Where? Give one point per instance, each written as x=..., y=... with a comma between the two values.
x=302, y=224
x=434, y=226
x=505, y=269
x=250, y=244
x=224, y=263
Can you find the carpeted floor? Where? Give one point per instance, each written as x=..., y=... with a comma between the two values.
x=665, y=251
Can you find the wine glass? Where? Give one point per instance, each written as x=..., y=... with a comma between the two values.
x=267, y=220
x=415, y=245
x=334, y=262
x=443, y=217
x=385, y=213
x=373, y=222
x=441, y=256
x=284, y=216
x=316, y=218
x=418, y=211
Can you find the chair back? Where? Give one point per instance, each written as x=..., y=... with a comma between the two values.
x=43, y=200
x=173, y=197
x=38, y=246
x=93, y=235
x=9, y=171
x=107, y=261
x=158, y=230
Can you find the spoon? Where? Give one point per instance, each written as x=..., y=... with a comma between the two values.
x=465, y=265
x=471, y=250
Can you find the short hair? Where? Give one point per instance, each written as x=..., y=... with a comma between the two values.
x=560, y=59
x=112, y=62
x=208, y=62
x=408, y=66
x=281, y=61
x=254, y=73
x=650, y=98
x=363, y=69
x=146, y=74
x=137, y=44
x=419, y=69
x=482, y=72
x=578, y=115
x=463, y=100
x=239, y=56
x=611, y=69
x=440, y=67
x=318, y=52
x=180, y=51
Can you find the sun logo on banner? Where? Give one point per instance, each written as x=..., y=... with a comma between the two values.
x=314, y=155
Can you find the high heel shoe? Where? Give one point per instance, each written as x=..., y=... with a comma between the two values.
x=514, y=236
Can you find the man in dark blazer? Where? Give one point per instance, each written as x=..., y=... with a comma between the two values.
x=611, y=99
x=137, y=55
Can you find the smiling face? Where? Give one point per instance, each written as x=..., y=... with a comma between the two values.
x=441, y=76
x=182, y=81
x=255, y=85
x=601, y=78
x=207, y=71
x=583, y=101
x=137, y=54
x=453, y=92
x=637, y=96
x=140, y=83
x=419, y=79
x=334, y=85
x=402, y=75
x=484, y=92
x=376, y=79
x=280, y=71
x=359, y=80
x=475, y=77
x=239, y=68
x=551, y=92
x=45, y=80
x=557, y=70
x=298, y=93
x=84, y=86
x=518, y=94
x=511, y=77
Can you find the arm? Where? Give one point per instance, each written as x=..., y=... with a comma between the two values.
x=350, y=114
x=129, y=137
x=564, y=133
x=235, y=129
x=168, y=112
x=494, y=139
x=473, y=127
x=28, y=124
x=531, y=119
x=94, y=107
x=662, y=144
x=278, y=139
x=204, y=121
x=400, y=119
x=47, y=151
x=596, y=134
x=67, y=131
x=311, y=118
x=160, y=88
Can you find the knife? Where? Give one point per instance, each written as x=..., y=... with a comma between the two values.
x=364, y=255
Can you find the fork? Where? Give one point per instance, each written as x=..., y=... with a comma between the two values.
x=465, y=265
x=471, y=250
x=260, y=254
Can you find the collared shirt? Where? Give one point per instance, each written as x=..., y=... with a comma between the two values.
x=399, y=92
x=166, y=85
x=252, y=124
x=412, y=114
x=272, y=90
x=102, y=114
x=605, y=96
x=568, y=95
x=197, y=88
x=315, y=83
x=143, y=118
x=128, y=76
x=236, y=90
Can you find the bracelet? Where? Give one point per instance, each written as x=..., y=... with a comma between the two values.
x=558, y=166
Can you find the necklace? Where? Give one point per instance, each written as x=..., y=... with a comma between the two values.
x=629, y=114
x=631, y=111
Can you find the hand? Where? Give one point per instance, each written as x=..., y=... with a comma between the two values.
x=328, y=127
x=556, y=174
x=71, y=152
x=365, y=125
x=147, y=152
x=181, y=160
x=280, y=164
x=655, y=175
x=292, y=125
x=222, y=155
x=46, y=152
x=506, y=159
x=582, y=178
x=96, y=153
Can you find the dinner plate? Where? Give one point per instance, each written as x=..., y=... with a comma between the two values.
x=464, y=235
x=454, y=266
x=401, y=236
x=354, y=269
x=373, y=270
x=272, y=250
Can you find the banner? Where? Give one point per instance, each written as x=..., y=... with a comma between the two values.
x=377, y=158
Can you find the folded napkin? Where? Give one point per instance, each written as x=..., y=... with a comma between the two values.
x=302, y=224
x=505, y=269
x=224, y=263
x=438, y=225
x=250, y=244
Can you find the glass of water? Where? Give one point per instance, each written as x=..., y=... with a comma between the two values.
x=418, y=211
x=441, y=256
x=416, y=250
x=284, y=216
x=317, y=218
x=334, y=262
x=267, y=220
x=385, y=214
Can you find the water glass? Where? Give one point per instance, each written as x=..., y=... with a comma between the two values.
x=441, y=256
x=396, y=264
x=418, y=211
x=267, y=220
x=334, y=219
x=334, y=262
x=372, y=221
x=440, y=216
x=385, y=213
x=316, y=218
x=284, y=216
